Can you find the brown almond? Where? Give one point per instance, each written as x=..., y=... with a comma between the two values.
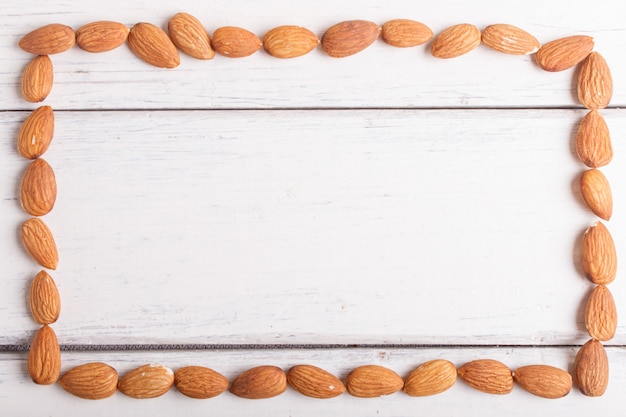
x=44, y=357
x=289, y=41
x=349, y=37
x=38, y=191
x=260, y=382
x=599, y=258
x=455, y=41
x=487, y=375
x=371, y=381
x=152, y=45
x=595, y=83
x=601, y=314
x=593, y=141
x=36, y=133
x=199, y=382
x=404, y=33
x=91, y=381
x=510, y=39
x=544, y=381
x=147, y=381
x=37, y=79
x=430, y=378
x=235, y=42
x=591, y=369
x=101, y=36
x=190, y=36
x=47, y=40
x=39, y=243
x=45, y=302
x=596, y=192
x=314, y=382
x=564, y=53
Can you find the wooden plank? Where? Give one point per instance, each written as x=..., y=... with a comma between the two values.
x=269, y=227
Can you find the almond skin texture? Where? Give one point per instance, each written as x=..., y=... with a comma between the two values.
x=596, y=192
x=47, y=40
x=599, y=259
x=91, y=381
x=36, y=133
x=405, y=33
x=260, y=382
x=101, y=36
x=147, y=381
x=430, y=378
x=37, y=79
x=349, y=37
x=487, y=375
x=601, y=314
x=199, y=382
x=153, y=46
x=564, y=53
x=39, y=243
x=510, y=39
x=190, y=36
x=544, y=381
x=45, y=302
x=289, y=41
x=44, y=357
x=372, y=381
x=595, y=83
x=593, y=141
x=314, y=382
x=235, y=42
x=591, y=369
x=38, y=191
x=455, y=41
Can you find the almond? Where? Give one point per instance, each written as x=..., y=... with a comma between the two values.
x=596, y=192
x=199, y=382
x=544, y=381
x=147, y=381
x=371, y=381
x=36, y=133
x=44, y=357
x=289, y=41
x=487, y=375
x=39, y=243
x=430, y=378
x=47, y=40
x=235, y=42
x=349, y=37
x=91, y=381
x=153, y=46
x=190, y=36
x=314, y=382
x=101, y=36
x=599, y=259
x=37, y=79
x=45, y=302
x=510, y=39
x=601, y=314
x=404, y=33
x=38, y=191
x=595, y=83
x=455, y=41
x=564, y=53
x=591, y=369
x=260, y=382
x=593, y=141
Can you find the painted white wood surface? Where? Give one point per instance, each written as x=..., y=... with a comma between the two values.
x=348, y=183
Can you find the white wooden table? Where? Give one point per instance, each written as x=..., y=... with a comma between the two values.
x=387, y=208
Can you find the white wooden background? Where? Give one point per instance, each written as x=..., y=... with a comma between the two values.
x=412, y=207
